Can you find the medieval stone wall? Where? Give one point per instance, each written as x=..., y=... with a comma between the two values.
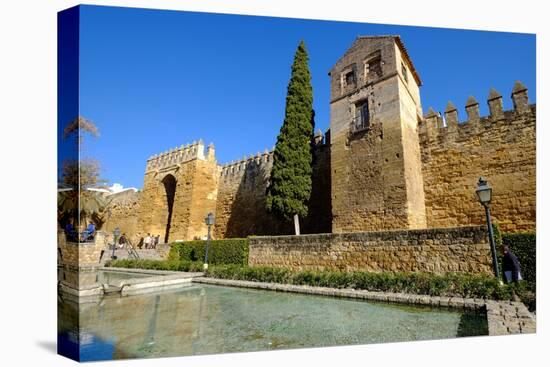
x=240, y=208
x=463, y=249
x=81, y=255
x=375, y=169
x=397, y=170
x=122, y=212
x=500, y=147
x=179, y=190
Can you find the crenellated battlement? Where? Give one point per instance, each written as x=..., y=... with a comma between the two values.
x=182, y=154
x=500, y=146
x=434, y=124
x=264, y=160
x=236, y=169
x=376, y=168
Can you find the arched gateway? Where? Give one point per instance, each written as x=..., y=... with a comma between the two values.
x=179, y=190
x=169, y=182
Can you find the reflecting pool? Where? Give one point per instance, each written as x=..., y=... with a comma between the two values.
x=206, y=319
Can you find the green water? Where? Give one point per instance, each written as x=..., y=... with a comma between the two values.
x=204, y=319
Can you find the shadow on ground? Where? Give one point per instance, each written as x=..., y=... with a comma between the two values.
x=50, y=346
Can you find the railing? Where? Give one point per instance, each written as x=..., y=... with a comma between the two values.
x=131, y=250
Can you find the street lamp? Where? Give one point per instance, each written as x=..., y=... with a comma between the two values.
x=484, y=194
x=116, y=234
x=209, y=220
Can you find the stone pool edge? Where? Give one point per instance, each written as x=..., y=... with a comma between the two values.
x=159, y=280
x=503, y=317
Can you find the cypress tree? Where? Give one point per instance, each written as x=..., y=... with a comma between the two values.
x=290, y=182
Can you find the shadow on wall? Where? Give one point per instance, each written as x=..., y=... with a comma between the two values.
x=248, y=215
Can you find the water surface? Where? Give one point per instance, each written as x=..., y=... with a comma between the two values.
x=205, y=319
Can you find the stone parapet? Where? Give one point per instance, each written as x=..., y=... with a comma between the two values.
x=461, y=249
x=500, y=147
x=81, y=255
x=175, y=156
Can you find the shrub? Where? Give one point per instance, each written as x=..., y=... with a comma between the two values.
x=451, y=284
x=523, y=245
x=228, y=251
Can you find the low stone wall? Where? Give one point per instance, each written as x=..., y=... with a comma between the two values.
x=81, y=255
x=461, y=249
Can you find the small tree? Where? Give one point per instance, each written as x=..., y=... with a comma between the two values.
x=290, y=182
x=81, y=175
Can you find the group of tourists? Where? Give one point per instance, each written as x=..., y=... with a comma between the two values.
x=72, y=234
x=149, y=242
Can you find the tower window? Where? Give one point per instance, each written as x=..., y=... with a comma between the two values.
x=362, y=116
x=349, y=78
x=404, y=73
x=373, y=69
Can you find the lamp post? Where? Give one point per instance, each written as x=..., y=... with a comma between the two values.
x=116, y=234
x=209, y=220
x=484, y=194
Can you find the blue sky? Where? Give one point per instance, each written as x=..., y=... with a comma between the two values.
x=152, y=80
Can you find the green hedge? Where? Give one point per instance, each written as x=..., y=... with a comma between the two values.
x=173, y=265
x=451, y=284
x=229, y=251
x=523, y=245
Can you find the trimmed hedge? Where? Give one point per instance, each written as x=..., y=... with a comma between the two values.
x=451, y=284
x=229, y=251
x=172, y=265
x=523, y=245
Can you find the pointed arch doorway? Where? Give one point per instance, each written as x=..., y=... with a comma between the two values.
x=170, y=188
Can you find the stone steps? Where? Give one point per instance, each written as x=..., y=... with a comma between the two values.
x=145, y=254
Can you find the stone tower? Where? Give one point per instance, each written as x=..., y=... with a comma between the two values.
x=375, y=109
x=180, y=188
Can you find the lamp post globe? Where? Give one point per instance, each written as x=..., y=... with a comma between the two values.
x=209, y=220
x=484, y=194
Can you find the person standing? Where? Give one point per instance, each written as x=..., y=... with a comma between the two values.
x=510, y=266
x=147, y=241
x=122, y=241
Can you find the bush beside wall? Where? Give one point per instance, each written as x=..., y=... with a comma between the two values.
x=228, y=251
x=450, y=284
x=524, y=246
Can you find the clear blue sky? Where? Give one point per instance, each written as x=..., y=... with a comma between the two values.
x=152, y=80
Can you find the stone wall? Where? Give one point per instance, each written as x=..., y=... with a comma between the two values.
x=375, y=169
x=461, y=249
x=122, y=212
x=500, y=147
x=240, y=207
x=81, y=255
x=401, y=171
x=179, y=190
